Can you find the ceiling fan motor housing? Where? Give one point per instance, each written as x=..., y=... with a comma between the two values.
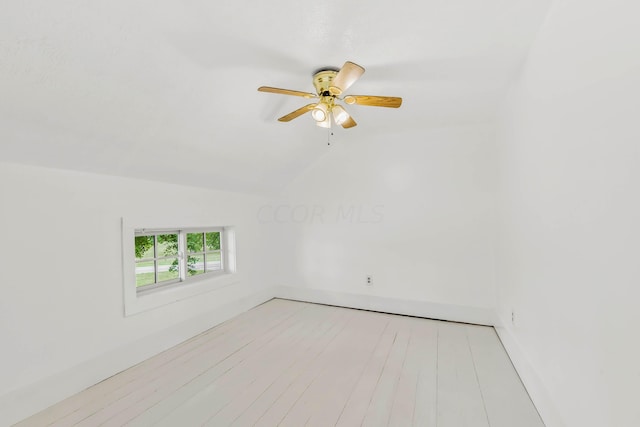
x=322, y=81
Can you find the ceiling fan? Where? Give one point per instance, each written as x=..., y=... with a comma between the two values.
x=330, y=83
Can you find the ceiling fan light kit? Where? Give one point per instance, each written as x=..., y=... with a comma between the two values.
x=319, y=112
x=330, y=84
x=340, y=115
x=326, y=123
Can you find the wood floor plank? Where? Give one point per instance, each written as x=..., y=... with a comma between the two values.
x=247, y=408
x=459, y=401
x=380, y=405
x=426, y=346
x=151, y=387
x=290, y=406
x=404, y=396
x=104, y=388
x=283, y=384
x=357, y=404
x=505, y=397
x=292, y=364
x=342, y=374
x=276, y=356
x=411, y=396
x=204, y=370
x=310, y=399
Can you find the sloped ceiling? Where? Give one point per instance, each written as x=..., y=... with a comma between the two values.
x=166, y=90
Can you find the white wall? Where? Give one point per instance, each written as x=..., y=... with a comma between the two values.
x=569, y=246
x=413, y=209
x=61, y=278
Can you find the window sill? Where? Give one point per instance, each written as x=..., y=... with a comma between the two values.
x=192, y=280
x=153, y=298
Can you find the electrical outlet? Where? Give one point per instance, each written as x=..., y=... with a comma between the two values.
x=369, y=281
x=513, y=317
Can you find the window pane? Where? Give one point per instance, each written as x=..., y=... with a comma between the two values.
x=167, y=244
x=195, y=264
x=144, y=273
x=195, y=242
x=144, y=247
x=213, y=261
x=213, y=240
x=168, y=269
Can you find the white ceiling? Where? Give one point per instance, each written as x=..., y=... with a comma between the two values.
x=166, y=90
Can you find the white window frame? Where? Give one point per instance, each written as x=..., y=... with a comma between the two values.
x=182, y=256
x=205, y=251
x=167, y=293
x=158, y=257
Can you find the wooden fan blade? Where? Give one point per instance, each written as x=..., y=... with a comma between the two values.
x=349, y=123
x=297, y=113
x=286, y=92
x=374, y=101
x=348, y=74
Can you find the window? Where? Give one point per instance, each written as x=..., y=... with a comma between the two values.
x=163, y=263
x=203, y=252
x=157, y=259
x=166, y=257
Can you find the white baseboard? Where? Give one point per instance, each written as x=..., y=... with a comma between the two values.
x=24, y=402
x=431, y=310
x=535, y=387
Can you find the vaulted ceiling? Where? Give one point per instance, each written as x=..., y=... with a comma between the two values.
x=166, y=90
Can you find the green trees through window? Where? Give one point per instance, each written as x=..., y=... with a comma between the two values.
x=160, y=259
x=203, y=252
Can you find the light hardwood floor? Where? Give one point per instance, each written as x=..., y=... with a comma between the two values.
x=294, y=364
